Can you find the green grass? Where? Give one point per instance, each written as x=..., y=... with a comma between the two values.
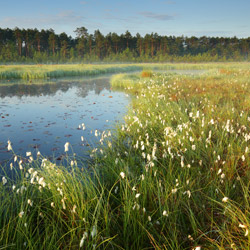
x=160, y=183
x=29, y=72
x=42, y=71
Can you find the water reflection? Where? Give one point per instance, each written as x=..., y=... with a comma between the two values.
x=51, y=88
x=45, y=116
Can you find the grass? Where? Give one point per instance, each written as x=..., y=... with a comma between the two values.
x=40, y=71
x=175, y=175
x=30, y=72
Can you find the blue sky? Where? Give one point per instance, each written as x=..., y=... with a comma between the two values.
x=166, y=17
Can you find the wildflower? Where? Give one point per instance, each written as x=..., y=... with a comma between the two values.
x=149, y=218
x=122, y=174
x=193, y=147
x=52, y=204
x=21, y=214
x=38, y=153
x=4, y=180
x=174, y=190
x=15, y=158
x=82, y=138
x=11, y=166
x=66, y=147
x=225, y=199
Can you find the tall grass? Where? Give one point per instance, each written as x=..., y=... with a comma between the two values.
x=40, y=71
x=175, y=175
x=29, y=72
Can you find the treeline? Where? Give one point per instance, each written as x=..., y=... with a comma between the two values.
x=44, y=46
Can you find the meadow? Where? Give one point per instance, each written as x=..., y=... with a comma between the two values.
x=174, y=175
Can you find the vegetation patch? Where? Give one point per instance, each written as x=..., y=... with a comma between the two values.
x=175, y=175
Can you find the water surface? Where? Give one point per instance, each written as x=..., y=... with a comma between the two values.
x=43, y=117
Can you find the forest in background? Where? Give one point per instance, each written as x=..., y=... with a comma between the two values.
x=45, y=46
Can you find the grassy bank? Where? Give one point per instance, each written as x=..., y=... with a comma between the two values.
x=29, y=72
x=42, y=71
x=174, y=176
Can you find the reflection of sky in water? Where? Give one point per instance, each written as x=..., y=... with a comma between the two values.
x=44, y=117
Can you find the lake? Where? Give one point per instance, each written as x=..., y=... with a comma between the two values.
x=43, y=117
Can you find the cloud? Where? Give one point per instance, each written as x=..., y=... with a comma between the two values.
x=110, y=16
x=161, y=17
x=83, y=2
x=61, y=18
x=170, y=2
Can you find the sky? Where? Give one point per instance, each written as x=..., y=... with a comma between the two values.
x=213, y=18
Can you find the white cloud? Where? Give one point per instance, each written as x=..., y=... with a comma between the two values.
x=61, y=18
x=161, y=17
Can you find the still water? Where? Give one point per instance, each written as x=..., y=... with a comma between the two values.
x=43, y=117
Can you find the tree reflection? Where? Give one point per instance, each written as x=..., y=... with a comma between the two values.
x=51, y=88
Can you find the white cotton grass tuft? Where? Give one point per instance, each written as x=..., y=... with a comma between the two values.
x=197, y=248
x=21, y=214
x=93, y=231
x=225, y=199
x=84, y=237
x=9, y=147
x=66, y=147
x=165, y=213
x=4, y=180
x=28, y=154
x=137, y=195
x=244, y=227
x=122, y=174
x=30, y=202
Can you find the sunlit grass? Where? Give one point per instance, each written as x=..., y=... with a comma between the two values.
x=43, y=71
x=29, y=72
x=175, y=175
